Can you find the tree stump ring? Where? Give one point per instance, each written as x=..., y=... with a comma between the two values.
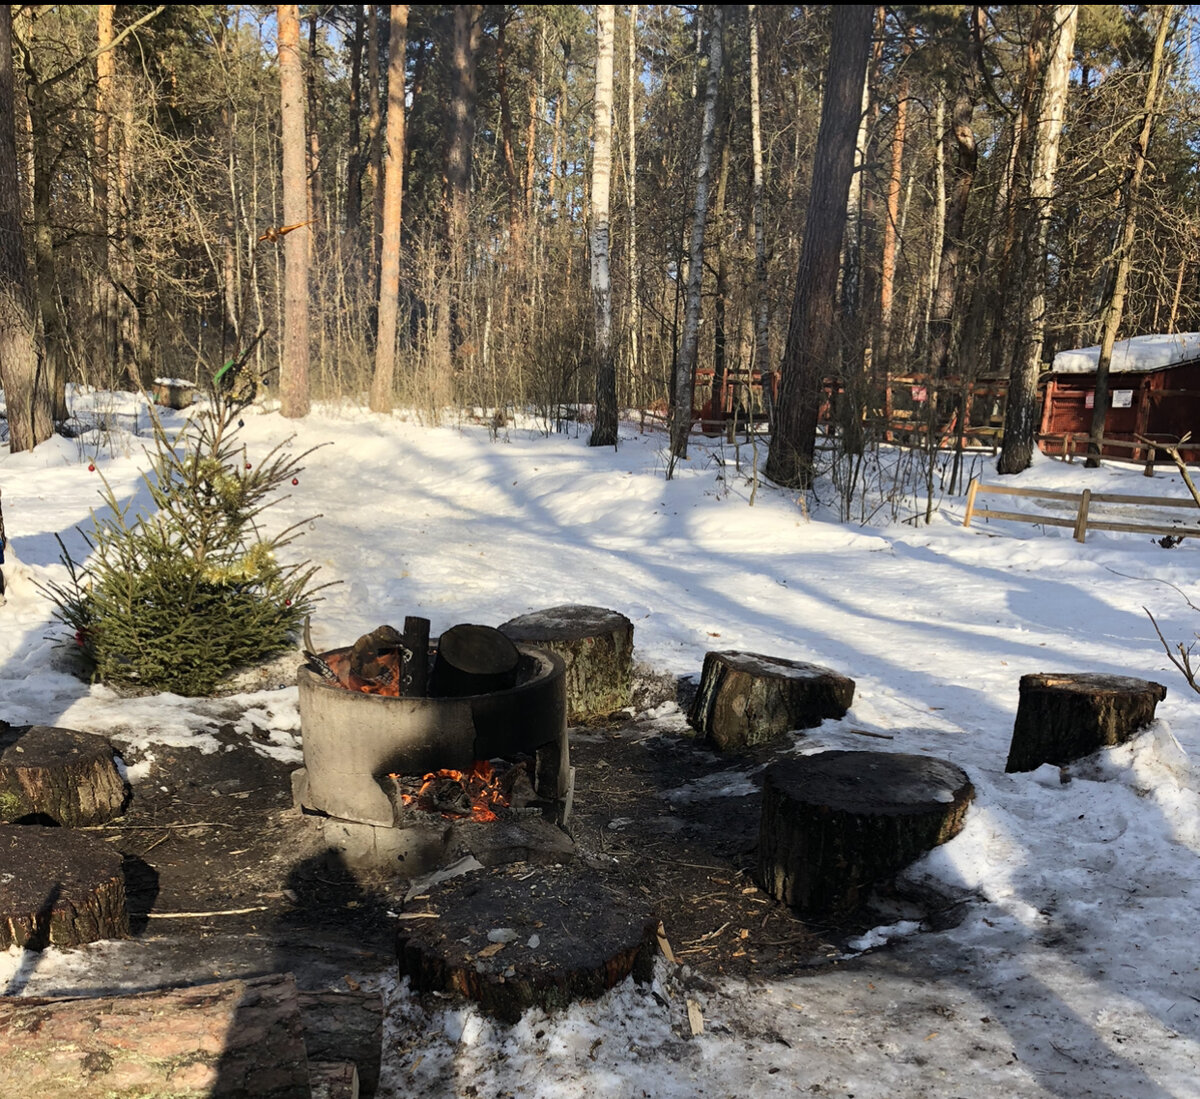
x=595, y=644
x=1062, y=717
x=58, y=888
x=510, y=939
x=747, y=699
x=835, y=823
x=59, y=776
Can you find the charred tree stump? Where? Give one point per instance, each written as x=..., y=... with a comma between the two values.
x=473, y=660
x=510, y=940
x=1064, y=717
x=58, y=887
x=234, y=1038
x=595, y=644
x=59, y=776
x=747, y=699
x=415, y=675
x=835, y=823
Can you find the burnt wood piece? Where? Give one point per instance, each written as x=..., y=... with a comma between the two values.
x=511, y=939
x=59, y=775
x=58, y=888
x=747, y=698
x=473, y=660
x=375, y=656
x=835, y=823
x=334, y=1080
x=596, y=646
x=232, y=1038
x=1062, y=717
x=414, y=676
x=345, y=1026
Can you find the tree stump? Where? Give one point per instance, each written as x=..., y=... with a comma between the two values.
x=473, y=660
x=835, y=823
x=1062, y=717
x=58, y=775
x=232, y=1038
x=511, y=939
x=747, y=698
x=597, y=647
x=58, y=887
x=345, y=1026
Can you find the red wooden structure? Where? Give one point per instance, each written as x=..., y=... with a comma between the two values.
x=1161, y=404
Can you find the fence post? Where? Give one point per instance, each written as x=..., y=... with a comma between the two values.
x=972, y=489
x=1150, y=455
x=1081, y=518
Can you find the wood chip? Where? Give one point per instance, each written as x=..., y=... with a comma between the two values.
x=695, y=1018
x=490, y=950
x=664, y=944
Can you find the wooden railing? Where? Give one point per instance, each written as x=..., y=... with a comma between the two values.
x=1083, y=520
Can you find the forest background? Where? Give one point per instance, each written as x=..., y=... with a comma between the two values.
x=551, y=207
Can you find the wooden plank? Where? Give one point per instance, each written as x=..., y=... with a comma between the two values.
x=1048, y=494
x=1139, y=528
x=1025, y=517
x=1154, y=501
x=972, y=489
x=1081, y=519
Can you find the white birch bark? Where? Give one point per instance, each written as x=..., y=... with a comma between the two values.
x=605, y=431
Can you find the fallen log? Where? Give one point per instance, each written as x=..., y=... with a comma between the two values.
x=59, y=888
x=596, y=646
x=233, y=1038
x=58, y=776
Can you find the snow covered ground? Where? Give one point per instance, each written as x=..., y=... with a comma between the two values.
x=1075, y=971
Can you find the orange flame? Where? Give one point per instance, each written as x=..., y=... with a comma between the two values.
x=481, y=785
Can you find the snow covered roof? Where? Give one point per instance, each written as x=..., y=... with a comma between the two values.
x=1138, y=354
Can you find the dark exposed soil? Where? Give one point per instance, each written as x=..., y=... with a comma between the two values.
x=225, y=877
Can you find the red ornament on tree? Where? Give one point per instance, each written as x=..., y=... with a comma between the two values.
x=247, y=465
x=295, y=480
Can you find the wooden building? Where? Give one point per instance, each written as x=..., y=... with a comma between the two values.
x=1154, y=391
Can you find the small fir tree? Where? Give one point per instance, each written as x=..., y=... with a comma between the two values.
x=176, y=599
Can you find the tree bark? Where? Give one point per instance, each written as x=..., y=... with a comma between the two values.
x=64, y=776
x=1022, y=414
x=26, y=387
x=762, y=354
x=293, y=370
x=354, y=153
x=633, y=319
x=604, y=433
x=685, y=364
x=393, y=195
x=811, y=326
x=887, y=281
x=1115, y=310
x=232, y=1038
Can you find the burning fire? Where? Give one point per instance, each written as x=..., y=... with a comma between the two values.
x=441, y=791
x=388, y=685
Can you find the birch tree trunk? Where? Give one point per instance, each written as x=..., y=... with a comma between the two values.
x=393, y=196
x=685, y=364
x=25, y=386
x=293, y=369
x=811, y=326
x=1021, y=415
x=605, y=431
x=1115, y=310
x=762, y=353
x=634, y=312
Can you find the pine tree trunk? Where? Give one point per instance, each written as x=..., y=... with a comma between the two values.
x=1021, y=416
x=293, y=370
x=605, y=431
x=887, y=281
x=811, y=326
x=685, y=364
x=26, y=387
x=762, y=355
x=393, y=194
x=1115, y=310
x=354, y=153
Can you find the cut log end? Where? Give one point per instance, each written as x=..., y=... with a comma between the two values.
x=596, y=645
x=58, y=776
x=746, y=699
x=60, y=888
x=836, y=823
x=515, y=938
x=1062, y=717
x=473, y=660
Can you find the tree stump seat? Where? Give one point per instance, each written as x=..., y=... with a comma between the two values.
x=58, y=887
x=59, y=776
x=1064, y=716
x=836, y=823
x=595, y=644
x=519, y=936
x=747, y=699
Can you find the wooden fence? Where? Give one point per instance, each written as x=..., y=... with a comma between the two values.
x=1083, y=520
